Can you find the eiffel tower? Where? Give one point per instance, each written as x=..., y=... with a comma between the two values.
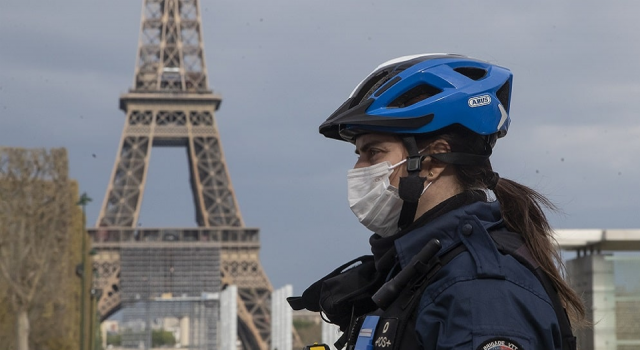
x=171, y=104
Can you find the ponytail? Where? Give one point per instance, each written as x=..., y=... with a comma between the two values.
x=522, y=212
x=521, y=208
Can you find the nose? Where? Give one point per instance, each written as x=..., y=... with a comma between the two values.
x=361, y=163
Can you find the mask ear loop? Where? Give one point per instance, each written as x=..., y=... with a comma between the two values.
x=405, y=160
x=425, y=188
x=398, y=164
x=430, y=182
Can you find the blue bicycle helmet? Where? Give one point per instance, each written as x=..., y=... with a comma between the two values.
x=425, y=93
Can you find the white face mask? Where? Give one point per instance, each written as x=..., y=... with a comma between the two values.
x=373, y=200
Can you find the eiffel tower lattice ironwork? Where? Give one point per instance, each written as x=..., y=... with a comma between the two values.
x=171, y=104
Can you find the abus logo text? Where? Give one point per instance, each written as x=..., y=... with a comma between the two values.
x=478, y=101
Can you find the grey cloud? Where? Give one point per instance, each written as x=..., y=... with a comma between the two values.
x=283, y=66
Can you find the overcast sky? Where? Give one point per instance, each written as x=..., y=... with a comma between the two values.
x=283, y=66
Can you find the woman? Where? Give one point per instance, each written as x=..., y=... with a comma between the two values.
x=463, y=270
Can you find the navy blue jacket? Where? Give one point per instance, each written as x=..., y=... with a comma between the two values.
x=481, y=299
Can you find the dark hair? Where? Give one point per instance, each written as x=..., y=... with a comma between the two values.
x=522, y=211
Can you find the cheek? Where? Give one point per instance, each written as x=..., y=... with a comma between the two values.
x=395, y=157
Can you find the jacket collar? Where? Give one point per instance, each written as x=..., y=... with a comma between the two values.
x=445, y=228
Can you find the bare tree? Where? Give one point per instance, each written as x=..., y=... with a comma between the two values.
x=35, y=210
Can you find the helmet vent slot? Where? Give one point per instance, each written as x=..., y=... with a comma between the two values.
x=503, y=95
x=472, y=73
x=415, y=95
x=367, y=88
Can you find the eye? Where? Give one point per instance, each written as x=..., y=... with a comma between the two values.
x=373, y=153
x=370, y=153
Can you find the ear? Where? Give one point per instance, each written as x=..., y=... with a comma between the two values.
x=433, y=168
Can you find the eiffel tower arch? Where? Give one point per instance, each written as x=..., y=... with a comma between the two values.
x=171, y=104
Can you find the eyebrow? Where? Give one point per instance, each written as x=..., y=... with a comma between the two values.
x=368, y=145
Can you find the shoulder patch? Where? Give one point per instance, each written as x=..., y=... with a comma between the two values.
x=500, y=344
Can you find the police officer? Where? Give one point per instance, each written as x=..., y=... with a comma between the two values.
x=424, y=127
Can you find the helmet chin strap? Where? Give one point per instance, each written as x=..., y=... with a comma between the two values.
x=411, y=186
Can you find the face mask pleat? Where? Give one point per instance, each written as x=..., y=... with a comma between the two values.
x=373, y=200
